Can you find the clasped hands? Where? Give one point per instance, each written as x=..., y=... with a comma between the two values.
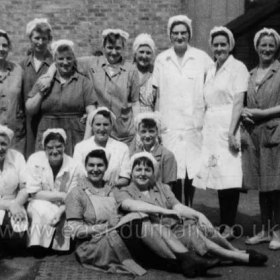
x=250, y=115
x=17, y=212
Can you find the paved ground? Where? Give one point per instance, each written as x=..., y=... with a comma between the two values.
x=25, y=267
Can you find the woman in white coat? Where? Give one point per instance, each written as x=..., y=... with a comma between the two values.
x=51, y=174
x=225, y=85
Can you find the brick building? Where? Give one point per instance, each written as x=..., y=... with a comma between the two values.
x=83, y=20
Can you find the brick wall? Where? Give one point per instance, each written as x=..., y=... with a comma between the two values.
x=83, y=20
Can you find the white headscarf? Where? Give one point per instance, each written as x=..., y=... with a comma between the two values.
x=217, y=29
x=63, y=42
x=33, y=23
x=120, y=32
x=267, y=31
x=145, y=155
x=53, y=130
x=143, y=39
x=179, y=19
x=95, y=112
x=7, y=131
x=148, y=115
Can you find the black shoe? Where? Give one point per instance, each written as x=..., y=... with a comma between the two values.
x=193, y=265
x=38, y=252
x=256, y=258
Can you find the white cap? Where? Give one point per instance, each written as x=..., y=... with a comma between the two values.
x=179, y=19
x=143, y=39
x=63, y=42
x=148, y=115
x=217, y=29
x=267, y=31
x=33, y=23
x=120, y=32
x=99, y=109
x=7, y=131
x=53, y=130
x=145, y=155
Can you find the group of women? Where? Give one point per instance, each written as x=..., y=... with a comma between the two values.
x=97, y=167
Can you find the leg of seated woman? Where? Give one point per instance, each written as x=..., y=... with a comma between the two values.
x=236, y=255
x=249, y=257
x=217, y=238
x=161, y=240
x=160, y=236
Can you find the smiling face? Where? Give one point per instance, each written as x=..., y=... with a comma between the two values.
x=114, y=51
x=220, y=48
x=54, y=150
x=39, y=41
x=144, y=56
x=4, y=145
x=148, y=135
x=101, y=128
x=65, y=62
x=4, y=48
x=142, y=175
x=180, y=37
x=266, y=49
x=95, y=168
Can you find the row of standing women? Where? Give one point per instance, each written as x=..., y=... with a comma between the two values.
x=200, y=104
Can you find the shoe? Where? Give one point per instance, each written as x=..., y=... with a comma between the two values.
x=193, y=265
x=261, y=237
x=275, y=242
x=228, y=233
x=255, y=258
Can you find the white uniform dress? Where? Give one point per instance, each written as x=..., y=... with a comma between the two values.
x=181, y=105
x=40, y=178
x=118, y=153
x=221, y=169
x=12, y=177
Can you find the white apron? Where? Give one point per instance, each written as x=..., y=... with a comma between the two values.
x=220, y=169
x=41, y=233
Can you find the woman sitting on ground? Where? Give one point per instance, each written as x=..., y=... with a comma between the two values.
x=90, y=211
x=195, y=231
x=13, y=216
x=51, y=174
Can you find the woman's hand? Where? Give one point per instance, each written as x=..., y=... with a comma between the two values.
x=55, y=220
x=233, y=143
x=253, y=114
x=204, y=222
x=171, y=212
x=17, y=212
x=44, y=83
x=113, y=220
x=62, y=196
